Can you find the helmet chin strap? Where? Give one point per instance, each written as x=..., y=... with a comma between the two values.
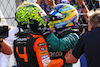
x=25, y=29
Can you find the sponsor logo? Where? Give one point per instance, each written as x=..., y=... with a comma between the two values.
x=45, y=64
x=22, y=39
x=21, y=42
x=42, y=48
x=43, y=53
x=45, y=60
x=44, y=56
x=55, y=54
x=41, y=44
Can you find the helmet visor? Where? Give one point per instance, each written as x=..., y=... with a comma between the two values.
x=55, y=15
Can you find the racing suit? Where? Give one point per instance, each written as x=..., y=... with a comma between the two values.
x=57, y=47
x=31, y=50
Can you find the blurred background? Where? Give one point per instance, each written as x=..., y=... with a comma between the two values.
x=8, y=9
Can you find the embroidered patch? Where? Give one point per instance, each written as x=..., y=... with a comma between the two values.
x=45, y=60
x=42, y=48
x=41, y=44
x=43, y=53
x=44, y=56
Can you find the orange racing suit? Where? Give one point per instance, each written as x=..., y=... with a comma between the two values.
x=31, y=51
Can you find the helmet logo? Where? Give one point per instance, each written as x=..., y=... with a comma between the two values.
x=39, y=13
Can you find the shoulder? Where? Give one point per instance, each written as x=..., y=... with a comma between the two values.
x=86, y=34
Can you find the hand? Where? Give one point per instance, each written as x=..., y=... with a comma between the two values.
x=39, y=2
x=44, y=30
x=79, y=2
x=70, y=58
x=50, y=2
x=67, y=55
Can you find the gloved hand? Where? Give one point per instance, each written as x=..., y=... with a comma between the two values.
x=44, y=30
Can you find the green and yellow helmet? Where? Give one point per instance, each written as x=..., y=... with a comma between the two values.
x=29, y=12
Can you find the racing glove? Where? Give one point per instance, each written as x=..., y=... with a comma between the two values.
x=44, y=30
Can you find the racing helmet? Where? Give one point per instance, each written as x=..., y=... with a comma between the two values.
x=62, y=16
x=30, y=13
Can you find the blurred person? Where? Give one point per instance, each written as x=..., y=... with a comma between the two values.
x=37, y=53
x=4, y=46
x=3, y=23
x=3, y=56
x=84, y=9
x=47, y=4
x=88, y=43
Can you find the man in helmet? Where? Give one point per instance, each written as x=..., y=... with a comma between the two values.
x=30, y=48
x=62, y=20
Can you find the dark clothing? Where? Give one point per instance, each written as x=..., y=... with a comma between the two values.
x=19, y=46
x=30, y=50
x=0, y=46
x=89, y=43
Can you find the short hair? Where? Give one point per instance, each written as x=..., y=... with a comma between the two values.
x=94, y=18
